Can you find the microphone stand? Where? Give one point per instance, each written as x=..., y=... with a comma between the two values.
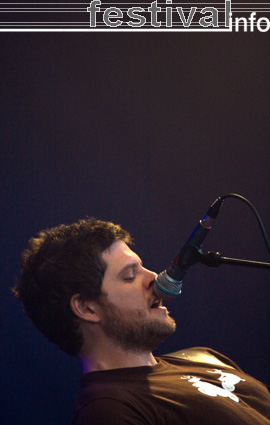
x=215, y=259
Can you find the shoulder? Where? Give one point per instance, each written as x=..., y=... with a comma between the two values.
x=203, y=355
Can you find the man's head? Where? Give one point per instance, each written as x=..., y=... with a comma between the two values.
x=57, y=264
x=82, y=280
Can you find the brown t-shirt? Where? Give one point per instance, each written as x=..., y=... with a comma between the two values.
x=173, y=392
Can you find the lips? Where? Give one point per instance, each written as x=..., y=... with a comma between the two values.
x=156, y=302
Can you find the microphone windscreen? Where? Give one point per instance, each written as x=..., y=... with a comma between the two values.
x=166, y=287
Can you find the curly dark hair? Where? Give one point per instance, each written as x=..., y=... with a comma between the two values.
x=59, y=263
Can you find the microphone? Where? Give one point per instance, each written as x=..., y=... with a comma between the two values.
x=168, y=284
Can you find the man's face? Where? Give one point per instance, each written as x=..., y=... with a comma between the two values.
x=131, y=313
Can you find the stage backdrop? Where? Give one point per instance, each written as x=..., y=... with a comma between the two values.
x=146, y=130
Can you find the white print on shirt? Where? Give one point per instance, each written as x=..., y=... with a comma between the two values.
x=228, y=380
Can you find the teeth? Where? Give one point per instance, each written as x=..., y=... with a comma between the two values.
x=156, y=302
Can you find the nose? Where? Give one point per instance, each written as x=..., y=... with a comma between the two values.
x=148, y=280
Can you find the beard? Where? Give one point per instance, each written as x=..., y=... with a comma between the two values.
x=132, y=329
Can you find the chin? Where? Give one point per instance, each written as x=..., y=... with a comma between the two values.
x=133, y=330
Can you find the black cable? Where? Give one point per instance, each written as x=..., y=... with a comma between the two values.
x=252, y=207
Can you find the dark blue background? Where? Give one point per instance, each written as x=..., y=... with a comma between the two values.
x=146, y=130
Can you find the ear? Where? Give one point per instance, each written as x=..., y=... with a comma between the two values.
x=84, y=309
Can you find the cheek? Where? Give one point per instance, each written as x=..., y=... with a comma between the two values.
x=127, y=299
x=117, y=297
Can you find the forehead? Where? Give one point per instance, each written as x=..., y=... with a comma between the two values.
x=118, y=255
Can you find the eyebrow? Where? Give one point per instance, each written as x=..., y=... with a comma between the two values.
x=133, y=265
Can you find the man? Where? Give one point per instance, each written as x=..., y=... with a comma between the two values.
x=88, y=292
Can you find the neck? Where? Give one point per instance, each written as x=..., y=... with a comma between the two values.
x=115, y=358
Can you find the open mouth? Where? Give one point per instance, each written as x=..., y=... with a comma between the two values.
x=157, y=302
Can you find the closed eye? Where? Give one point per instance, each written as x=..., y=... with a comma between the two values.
x=129, y=279
x=130, y=271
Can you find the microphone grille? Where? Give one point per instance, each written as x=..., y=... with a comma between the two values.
x=165, y=287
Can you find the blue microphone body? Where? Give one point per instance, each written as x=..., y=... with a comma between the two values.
x=168, y=283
